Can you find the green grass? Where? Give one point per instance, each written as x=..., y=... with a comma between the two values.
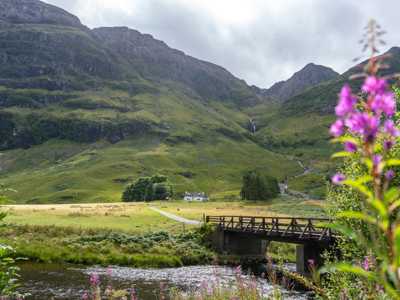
x=133, y=218
x=156, y=249
x=66, y=172
x=281, y=206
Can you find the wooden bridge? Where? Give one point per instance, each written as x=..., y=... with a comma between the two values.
x=250, y=236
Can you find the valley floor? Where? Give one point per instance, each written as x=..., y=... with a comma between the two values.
x=134, y=234
x=138, y=217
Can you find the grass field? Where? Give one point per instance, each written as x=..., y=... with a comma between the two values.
x=282, y=206
x=138, y=217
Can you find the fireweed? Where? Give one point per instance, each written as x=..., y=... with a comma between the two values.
x=366, y=129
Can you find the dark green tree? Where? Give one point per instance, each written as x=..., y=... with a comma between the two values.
x=152, y=188
x=259, y=187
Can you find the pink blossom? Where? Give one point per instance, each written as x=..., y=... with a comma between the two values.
x=346, y=102
x=366, y=263
x=350, y=147
x=376, y=160
x=389, y=175
x=374, y=85
x=133, y=294
x=363, y=124
x=94, y=279
x=338, y=178
x=311, y=263
x=384, y=103
x=388, y=144
x=391, y=129
x=337, y=128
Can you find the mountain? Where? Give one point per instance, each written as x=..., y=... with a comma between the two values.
x=322, y=98
x=35, y=12
x=307, y=77
x=84, y=112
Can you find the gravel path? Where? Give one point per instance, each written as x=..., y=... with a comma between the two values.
x=175, y=217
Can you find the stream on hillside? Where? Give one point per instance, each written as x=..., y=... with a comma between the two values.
x=55, y=281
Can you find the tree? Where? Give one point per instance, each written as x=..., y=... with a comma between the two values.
x=152, y=188
x=259, y=187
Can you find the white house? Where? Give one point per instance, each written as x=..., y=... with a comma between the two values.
x=195, y=197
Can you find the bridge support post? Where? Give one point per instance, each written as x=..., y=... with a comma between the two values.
x=238, y=243
x=306, y=253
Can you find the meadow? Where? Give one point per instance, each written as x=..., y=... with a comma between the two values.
x=139, y=218
x=132, y=233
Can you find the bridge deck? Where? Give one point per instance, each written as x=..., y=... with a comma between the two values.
x=295, y=230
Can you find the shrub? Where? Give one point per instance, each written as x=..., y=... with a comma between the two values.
x=259, y=187
x=156, y=187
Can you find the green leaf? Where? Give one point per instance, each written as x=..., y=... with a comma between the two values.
x=393, y=162
x=343, y=229
x=358, y=186
x=380, y=208
x=396, y=238
x=391, y=195
x=347, y=268
x=344, y=139
x=341, y=154
x=356, y=215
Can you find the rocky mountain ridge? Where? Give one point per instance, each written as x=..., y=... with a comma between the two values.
x=36, y=12
x=308, y=76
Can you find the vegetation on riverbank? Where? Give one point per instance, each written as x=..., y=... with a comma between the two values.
x=82, y=246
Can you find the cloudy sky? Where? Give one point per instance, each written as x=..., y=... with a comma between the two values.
x=261, y=41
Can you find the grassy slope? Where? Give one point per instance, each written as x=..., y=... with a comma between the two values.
x=67, y=172
x=188, y=135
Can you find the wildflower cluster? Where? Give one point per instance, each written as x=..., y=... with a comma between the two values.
x=96, y=293
x=366, y=127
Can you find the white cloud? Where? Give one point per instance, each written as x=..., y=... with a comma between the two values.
x=261, y=41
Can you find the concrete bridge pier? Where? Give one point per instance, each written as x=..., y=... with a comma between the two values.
x=309, y=253
x=239, y=243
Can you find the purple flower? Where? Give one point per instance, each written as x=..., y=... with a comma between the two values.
x=346, y=102
x=133, y=294
x=350, y=147
x=94, y=279
x=387, y=145
x=391, y=129
x=384, y=103
x=311, y=262
x=374, y=85
x=376, y=160
x=363, y=124
x=389, y=175
x=365, y=264
x=337, y=128
x=85, y=296
x=338, y=178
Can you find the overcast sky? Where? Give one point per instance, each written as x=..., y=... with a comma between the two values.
x=261, y=41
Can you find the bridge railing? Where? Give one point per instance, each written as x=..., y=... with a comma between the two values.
x=298, y=228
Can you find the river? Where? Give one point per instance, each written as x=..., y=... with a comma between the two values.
x=54, y=281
